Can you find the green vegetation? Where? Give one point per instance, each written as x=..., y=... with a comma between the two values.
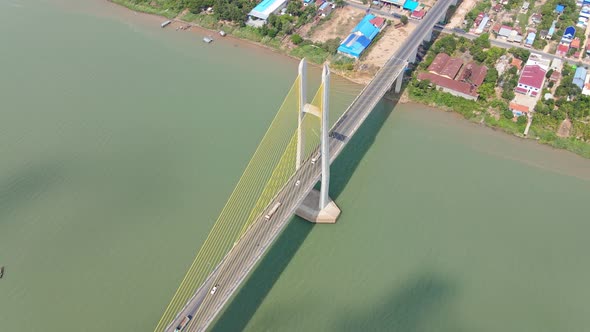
x=494, y=112
x=404, y=19
x=482, y=6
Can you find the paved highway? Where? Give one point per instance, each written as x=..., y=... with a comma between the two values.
x=505, y=44
x=247, y=251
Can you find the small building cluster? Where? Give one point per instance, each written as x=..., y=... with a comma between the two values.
x=362, y=35
x=452, y=76
x=259, y=15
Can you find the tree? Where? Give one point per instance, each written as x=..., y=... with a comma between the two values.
x=339, y=3
x=521, y=120
x=486, y=90
x=483, y=41
x=549, y=72
x=508, y=94
x=491, y=76
x=331, y=45
x=508, y=114
x=296, y=39
x=404, y=19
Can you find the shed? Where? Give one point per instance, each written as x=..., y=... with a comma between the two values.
x=580, y=76
x=559, y=9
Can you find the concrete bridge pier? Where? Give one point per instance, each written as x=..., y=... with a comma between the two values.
x=428, y=37
x=318, y=207
x=398, y=82
x=412, y=57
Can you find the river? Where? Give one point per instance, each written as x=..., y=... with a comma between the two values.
x=121, y=142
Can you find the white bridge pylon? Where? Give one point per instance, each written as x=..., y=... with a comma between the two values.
x=326, y=206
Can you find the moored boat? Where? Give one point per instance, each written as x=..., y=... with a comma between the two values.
x=163, y=25
x=207, y=40
x=222, y=33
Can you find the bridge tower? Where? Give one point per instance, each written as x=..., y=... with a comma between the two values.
x=317, y=207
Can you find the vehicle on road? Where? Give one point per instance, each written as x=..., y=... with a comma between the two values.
x=314, y=159
x=297, y=183
x=272, y=211
x=183, y=323
x=214, y=289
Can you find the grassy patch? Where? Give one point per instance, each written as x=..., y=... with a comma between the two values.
x=146, y=8
x=313, y=53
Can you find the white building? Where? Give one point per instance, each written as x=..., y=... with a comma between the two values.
x=258, y=16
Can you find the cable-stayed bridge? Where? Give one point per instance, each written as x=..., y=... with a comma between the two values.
x=294, y=154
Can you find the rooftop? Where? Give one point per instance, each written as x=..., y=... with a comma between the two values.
x=448, y=83
x=533, y=76
x=266, y=7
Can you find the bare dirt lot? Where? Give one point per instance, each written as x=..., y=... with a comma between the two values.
x=340, y=25
x=391, y=40
x=462, y=10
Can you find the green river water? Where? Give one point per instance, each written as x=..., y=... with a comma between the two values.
x=120, y=142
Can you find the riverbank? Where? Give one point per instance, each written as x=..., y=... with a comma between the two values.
x=320, y=47
x=480, y=111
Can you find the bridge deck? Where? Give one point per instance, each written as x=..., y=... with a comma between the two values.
x=248, y=250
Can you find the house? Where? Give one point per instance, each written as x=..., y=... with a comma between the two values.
x=325, y=9
x=562, y=49
x=473, y=74
x=497, y=7
x=258, y=16
x=478, y=19
x=505, y=31
x=559, y=9
x=575, y=43
x=362, y=35
x=543, y=34
x=530, y=39
x=517, y=63
x=518, y=109
x=445, y=72
x=531, y=80
x=411, y=5
x=398, y=3
x=378, y=22
x=536, y=18
x=555, y=76
x=568, y=34
x=418, y=14
x=482, y=25
x=580, y=77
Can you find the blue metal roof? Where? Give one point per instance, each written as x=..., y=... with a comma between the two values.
x=559, y=8
x=411, y=5
x=579, y=77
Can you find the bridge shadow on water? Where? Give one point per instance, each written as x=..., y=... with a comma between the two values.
x=242, y=307
x=422, y=303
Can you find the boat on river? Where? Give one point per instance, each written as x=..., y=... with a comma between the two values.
x=163, y=25
x=207, y=40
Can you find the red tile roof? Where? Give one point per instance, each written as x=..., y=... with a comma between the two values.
x=441, y=81
x=377, y=21
x=575, y=43
x=452, y=68
x=419, y=14
x=562, y=49
x=518, y=107
x=438, y=63
x=517, y=63
x=532, y=76
x=474, y=74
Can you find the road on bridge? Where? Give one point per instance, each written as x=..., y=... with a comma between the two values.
x=205, y=305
